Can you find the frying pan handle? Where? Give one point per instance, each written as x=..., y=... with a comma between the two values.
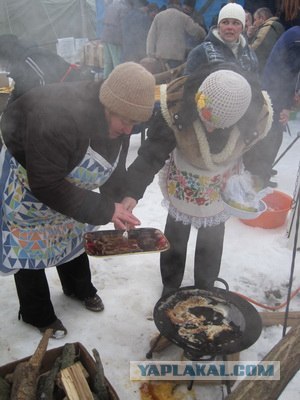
x=222, y=281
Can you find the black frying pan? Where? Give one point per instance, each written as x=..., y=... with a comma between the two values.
x=239, y=312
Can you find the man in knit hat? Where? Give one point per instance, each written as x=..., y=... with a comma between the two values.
x=206, y=123
x=61, y=142
x=225, y=43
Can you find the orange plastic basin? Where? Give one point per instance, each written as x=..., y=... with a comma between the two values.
x=278, y=204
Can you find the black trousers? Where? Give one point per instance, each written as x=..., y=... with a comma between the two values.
x=260, y=158
x=34, y=295
x=208, y=254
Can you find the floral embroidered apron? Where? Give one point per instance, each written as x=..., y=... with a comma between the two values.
x=193, y=195
x=33, y=235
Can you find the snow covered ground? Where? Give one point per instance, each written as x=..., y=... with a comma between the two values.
x=255, y=261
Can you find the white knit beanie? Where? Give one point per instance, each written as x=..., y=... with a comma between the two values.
x=129, y=91
x=232, y=10
x=223, y=98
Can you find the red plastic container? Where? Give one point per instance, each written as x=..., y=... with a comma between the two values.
x=278, y=204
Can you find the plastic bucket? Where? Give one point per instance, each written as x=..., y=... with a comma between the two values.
x=278, y=206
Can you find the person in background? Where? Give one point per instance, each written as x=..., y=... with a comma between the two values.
x=30, y=65
x=214, y=20
x=225, y=43
x=249, y=27
x=60, y=142
x=166, y=39
x=153, y=9
x=289, y=14
x=188, y=7
x=135, y=27
x=206, y=122
x=253, y=5
x=268, y=29
x=111, y=35
x=279, y=79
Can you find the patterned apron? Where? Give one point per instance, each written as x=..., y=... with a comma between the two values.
x=193, y=195
x=33, y=235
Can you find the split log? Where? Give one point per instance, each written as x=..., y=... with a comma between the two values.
x=4, y=389
x=158, y=343
x=270, y=318
x=75, y=383
x=68, y=358
x=46, y=382
x=68, y=355
x=99, y=384
x=26, y=374
x=287, y=351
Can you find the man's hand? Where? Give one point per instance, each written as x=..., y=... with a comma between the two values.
x=284, y=116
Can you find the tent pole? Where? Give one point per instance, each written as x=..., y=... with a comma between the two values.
x=84, y=30
x=297, y=213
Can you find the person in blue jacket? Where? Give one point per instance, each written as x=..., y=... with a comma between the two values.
x=279, y=79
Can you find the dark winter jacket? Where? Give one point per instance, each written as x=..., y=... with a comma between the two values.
x=279, y=80
x=48, y=131
x=282, y=68
x=265, y=38
x=30, y=65
x=135, y=28
x=289, y=23
x=213, y=50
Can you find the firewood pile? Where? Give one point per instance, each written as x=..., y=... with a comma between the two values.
x=65, y=373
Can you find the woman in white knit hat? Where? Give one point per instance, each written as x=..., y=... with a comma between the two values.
x=225, y=43
x=205, y=124
x=60, y=142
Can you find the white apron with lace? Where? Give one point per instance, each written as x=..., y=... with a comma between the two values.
x=34, y=236
x=192, y=195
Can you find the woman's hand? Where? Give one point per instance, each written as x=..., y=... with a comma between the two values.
x=122, y=218
x=129, y=203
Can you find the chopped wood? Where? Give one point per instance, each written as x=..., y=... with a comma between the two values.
x=270, y=318
x=68, y=355
x=99, y=384
x=9, y=378
x=46, y=382
x=68, y=358
x=287, y=352
x=158, y=343
x=26, y=373
x=4, y=389
x=36, y=377
x=37, y=357
x=75, y=383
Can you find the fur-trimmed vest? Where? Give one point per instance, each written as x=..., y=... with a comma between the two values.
x=193, y=179
x=192, y=142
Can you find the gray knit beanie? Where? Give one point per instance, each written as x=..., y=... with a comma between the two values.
x=223, y=98
x=129, y=92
